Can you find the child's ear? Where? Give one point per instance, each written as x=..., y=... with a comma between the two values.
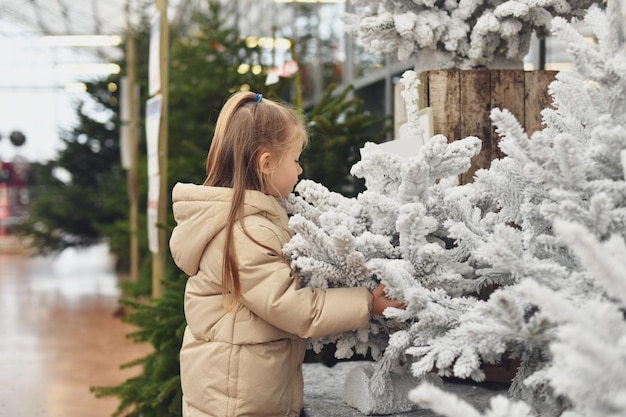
x=265, y=162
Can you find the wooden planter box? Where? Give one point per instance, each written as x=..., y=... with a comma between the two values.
x=461, y=101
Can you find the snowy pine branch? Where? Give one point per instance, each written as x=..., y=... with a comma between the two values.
x=544, y=228
x=445, y=404
x=467, y=33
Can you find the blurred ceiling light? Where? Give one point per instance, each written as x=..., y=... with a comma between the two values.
x=243, y=68
x=75, y=87
x=82, y=40
x=264, y=42
x=282, y=43
x=99, y=69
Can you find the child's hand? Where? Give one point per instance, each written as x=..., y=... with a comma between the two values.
x=380, y=302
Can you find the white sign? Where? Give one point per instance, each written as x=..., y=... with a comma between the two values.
x=153, y=125
x=404, y=148
x=407, y=144
x=153, y=213
x=125, y=123
x=154, y=56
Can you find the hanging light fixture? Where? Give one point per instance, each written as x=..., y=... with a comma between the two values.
x=81, y=40
x=96, y=69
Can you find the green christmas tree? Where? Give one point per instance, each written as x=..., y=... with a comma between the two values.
x=338, y=128
x=203, y=73
x=80, y=194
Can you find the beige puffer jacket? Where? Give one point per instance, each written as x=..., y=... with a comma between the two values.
x=248, y=362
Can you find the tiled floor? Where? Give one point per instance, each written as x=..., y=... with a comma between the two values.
x=59, y=336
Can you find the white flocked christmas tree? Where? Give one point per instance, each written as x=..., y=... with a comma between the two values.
x=545, y=226
x=462, y=33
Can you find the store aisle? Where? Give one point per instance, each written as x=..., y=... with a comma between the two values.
x=59, y=336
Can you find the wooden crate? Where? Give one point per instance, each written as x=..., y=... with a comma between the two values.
x=461, y=101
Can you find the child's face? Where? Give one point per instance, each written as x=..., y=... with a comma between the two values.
x=283, y=179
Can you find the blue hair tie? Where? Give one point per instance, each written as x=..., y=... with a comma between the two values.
x=258, y=98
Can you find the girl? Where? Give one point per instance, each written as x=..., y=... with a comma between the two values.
x=247, y=317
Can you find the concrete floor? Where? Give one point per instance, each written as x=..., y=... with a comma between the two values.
x=59, y=336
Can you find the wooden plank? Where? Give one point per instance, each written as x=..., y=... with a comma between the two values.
x=462, y=100
x=444, y=94
x=536, y=98
x=507, y=92
x=475, y=108
x=422, y=90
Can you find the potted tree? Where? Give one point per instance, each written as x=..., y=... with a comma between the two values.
x=469, y=57
x=542, y=223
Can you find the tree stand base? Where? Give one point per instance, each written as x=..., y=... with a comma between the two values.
x=358, y=392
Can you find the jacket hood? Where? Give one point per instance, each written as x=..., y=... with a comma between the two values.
x=201, y=212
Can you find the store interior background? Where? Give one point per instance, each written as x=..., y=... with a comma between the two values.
x=60, y=333
x=40, y=82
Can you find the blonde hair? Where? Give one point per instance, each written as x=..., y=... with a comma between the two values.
x=246, y=128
